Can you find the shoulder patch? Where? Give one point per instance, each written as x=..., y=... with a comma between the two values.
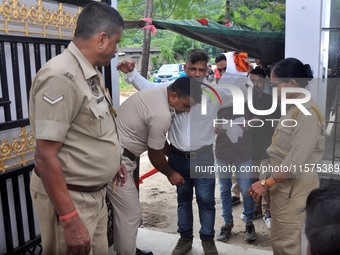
x=69, y=76
x=53, y=101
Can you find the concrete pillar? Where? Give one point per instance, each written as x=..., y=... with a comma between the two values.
x=306, y=42
x=115, y=73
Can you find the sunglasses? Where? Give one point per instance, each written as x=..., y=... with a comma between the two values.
x=221, y=70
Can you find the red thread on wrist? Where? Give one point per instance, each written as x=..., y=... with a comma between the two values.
x=69, y=215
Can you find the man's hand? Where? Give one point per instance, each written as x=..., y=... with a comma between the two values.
x=77, y=237
x=126, y=66
x=256, y=190
x=121, y=176
x=176, y=178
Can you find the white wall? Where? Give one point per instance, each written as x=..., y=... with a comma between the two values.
x=304, y=21
x=115, y=74
x=303, y=31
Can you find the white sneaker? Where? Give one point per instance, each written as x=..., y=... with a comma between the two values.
x=267, y=221
x=243, y=217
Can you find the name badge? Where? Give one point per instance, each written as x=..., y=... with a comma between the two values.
x=100, y=99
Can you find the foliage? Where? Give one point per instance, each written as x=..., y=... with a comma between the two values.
x=268, y=17
x=163, y=9
x=272, y=11
x=123, y=85
x=263, y=15
x=126, y=87
x=167, y=54
x=182, y=45
x=155, y=62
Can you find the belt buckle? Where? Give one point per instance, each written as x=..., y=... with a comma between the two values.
x=190, y=155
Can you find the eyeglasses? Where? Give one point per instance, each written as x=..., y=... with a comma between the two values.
x=221, y=70
x=273, y=85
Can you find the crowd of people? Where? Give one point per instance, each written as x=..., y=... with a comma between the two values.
x=86, y=149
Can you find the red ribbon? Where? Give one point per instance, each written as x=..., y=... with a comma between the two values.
x=147, y=20
x=152, y=28
x=203, y=21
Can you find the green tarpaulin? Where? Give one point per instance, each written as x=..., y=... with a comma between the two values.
x=268, y=46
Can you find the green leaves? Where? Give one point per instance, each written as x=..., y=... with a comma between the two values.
x=262, y=15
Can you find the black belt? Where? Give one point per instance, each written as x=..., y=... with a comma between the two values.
x=85, y=188
x=129, y=155
x=191, y=154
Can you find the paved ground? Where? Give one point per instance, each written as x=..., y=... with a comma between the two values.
x=162, y=244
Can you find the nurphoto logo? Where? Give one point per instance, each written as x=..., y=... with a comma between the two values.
x=238, y=102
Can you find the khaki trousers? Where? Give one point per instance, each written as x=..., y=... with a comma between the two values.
x=265, y=200
x=91, y=209
x=127, y=212
x=288, y=202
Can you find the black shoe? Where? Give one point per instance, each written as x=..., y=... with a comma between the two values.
x=142, y=252
x=250, y=234
x=225, y=232
x=182, y=247
x=235, y=200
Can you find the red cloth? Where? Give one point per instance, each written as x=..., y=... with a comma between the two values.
x=203, y=21
x=217, y=74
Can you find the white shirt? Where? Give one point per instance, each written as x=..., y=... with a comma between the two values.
x=188, y=131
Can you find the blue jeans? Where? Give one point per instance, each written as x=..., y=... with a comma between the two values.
x=205, y=196
x=244, y=180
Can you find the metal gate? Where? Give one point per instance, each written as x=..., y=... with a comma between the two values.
x=31, y=34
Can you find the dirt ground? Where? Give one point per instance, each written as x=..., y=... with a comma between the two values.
x=158, y=199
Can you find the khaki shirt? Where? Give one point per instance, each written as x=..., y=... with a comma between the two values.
x=144, y=119
x=302, y=144
x=67, y=105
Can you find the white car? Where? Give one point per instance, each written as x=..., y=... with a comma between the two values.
x=169, y=72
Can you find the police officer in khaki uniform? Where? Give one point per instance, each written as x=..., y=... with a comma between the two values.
x=77, y=148
x=143, y=121
x=297, y=144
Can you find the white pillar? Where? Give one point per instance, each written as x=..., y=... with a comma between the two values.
x=115, y=75
x=304, y=41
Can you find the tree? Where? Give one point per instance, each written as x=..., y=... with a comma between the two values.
x=146, y=40
x=163, y=9
x=182, y=44
x=267, y=17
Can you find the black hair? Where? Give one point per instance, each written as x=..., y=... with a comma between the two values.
x=259, y=71
x=98, y=17
x=187, y=87
x=292, y=68
x=197, y=55
x=268, y=70
x=220, y=58
x=323, y=220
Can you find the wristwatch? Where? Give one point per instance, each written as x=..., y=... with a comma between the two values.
x=268, y=183
x=263, y=183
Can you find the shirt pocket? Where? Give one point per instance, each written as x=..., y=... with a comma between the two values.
x=103, y=117
x=282, y=139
